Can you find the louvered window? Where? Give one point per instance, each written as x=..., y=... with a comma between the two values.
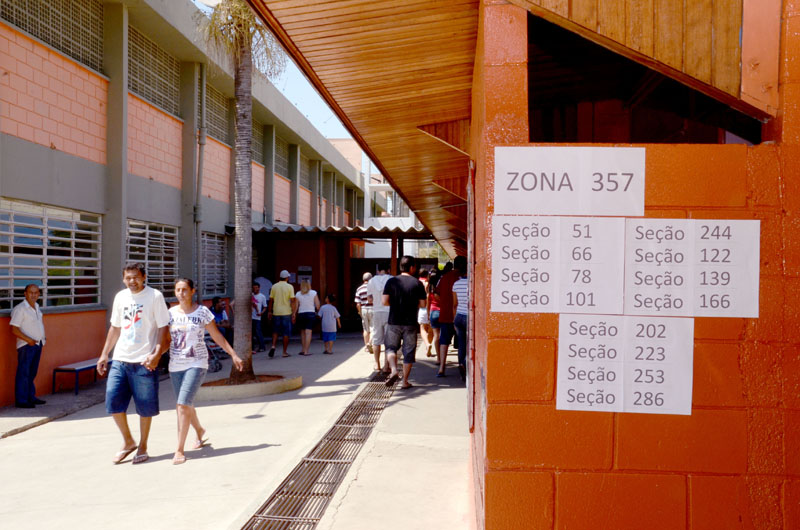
x=215, y=265
x=281, y=157
x=305, y=172
x=217, y=115
x=258, y=142
x=153, y=74
x=155, y=246
x=55, y=248
x=73, y=27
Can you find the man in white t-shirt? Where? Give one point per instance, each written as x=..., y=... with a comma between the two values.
x=259, y=303
x=380, y=313
x=139, y=326
x=28, y=327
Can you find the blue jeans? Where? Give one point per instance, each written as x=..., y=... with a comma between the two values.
x=282, y=325
x=257, y=334
x=186, y=382
x=460, y=325
x=126, y=380
x=27, y=366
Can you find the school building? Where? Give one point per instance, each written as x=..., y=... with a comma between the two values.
x=101, y=163
x=710, y=90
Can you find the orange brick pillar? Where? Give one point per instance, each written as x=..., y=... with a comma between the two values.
x=735, y=461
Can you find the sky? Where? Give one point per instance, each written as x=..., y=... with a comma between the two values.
x=296, y=88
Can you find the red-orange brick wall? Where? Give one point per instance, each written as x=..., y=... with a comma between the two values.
x=61, y=348
x=327, y=220
x=216, y=171
x=735, y=462
x=281, y=190
x=346, y=218
x=49, y=99
x=335, y=216
x=257, y=200
x=305, y=207
x=154, y=143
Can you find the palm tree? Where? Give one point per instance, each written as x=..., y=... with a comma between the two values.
x=237, y=33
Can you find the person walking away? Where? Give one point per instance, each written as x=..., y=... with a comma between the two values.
x=330, y=322
x=139, y=323
x=259, y=302
x=306, y=314
x=380, y=313
x=423, y=317
x=461, y=303
x=404, y=295
x=281, y=312
x=265, y=288
x=27, y=326
x=188, y=360
x=444, y=290
x=221, y=318
x=364, y=308
x=432, y=307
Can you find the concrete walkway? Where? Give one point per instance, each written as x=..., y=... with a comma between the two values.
x=59, y=474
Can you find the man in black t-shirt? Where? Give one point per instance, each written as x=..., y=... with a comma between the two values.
x=404, y=295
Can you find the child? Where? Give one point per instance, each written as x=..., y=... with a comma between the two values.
x=330, y=322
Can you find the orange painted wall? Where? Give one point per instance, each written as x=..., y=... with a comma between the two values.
x=734, y=462
x=325, y=215
x=49, y=99
x=216, y=171
x=154, y=143
x=257, y=201
x=71, y=337
x=281, y=189
x=335, y=221
x=305, y=207
x=346, y=218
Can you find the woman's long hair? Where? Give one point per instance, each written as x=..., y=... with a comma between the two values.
x=305, y=286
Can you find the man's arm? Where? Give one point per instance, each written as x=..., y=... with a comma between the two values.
x=111, y=339
x=151, y=361
x=455, y=302
x=386, y=299
x=20, y=335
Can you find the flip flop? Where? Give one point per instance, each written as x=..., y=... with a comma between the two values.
x=285, y=355
x=407, y=387
x=392, y=380
x=141, y=459
x=199, y=444
x=123, y=454
x=178, y=460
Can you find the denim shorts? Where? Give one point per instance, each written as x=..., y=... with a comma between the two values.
x=435, y=318
x=446, y=331
x=186, y=382
x=328, y=336
x=306, y=320
x=408, y=335
x=126, y=380
x=282, y=325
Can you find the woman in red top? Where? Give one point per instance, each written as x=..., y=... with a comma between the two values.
x=433, y=314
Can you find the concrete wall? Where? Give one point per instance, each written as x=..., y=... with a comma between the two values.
x=733, y=463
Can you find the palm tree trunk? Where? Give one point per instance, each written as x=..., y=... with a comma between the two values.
x=243, y=249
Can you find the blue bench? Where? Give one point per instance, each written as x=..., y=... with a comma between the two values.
x=77, y=368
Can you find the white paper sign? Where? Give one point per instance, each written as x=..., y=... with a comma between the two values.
x=606, y=181
x=617, y=363
x=659, y=255
x=726, y=268
x=557, y=264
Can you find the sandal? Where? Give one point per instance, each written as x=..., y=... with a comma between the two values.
x=123, y=454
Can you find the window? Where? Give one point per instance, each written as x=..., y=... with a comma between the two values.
x=156, y=246
x=258, y=142
x=73, y=27
x=305, y=172
x=281, y=157
x=215, y=265
x=153, y=74
x=217, y=115
x=55, y=248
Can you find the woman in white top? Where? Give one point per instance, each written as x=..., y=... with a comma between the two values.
x=188, y=359
x=306, y=312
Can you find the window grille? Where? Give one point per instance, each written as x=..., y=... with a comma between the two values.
x=55, y=248
x=305, y=172
x=215, y=264
x=153, y=74
x=155, y=246
x=73, y=27
x=217, y=115
x=281, y=157
x=258, y=142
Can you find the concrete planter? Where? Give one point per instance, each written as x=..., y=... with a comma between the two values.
x=249, y=390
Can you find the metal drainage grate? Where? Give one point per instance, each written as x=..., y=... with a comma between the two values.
x=301, y=499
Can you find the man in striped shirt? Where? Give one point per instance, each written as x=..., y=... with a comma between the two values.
x=461, y=311
x=364, y=307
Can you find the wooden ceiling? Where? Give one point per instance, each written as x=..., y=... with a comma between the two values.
x=396, y=72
